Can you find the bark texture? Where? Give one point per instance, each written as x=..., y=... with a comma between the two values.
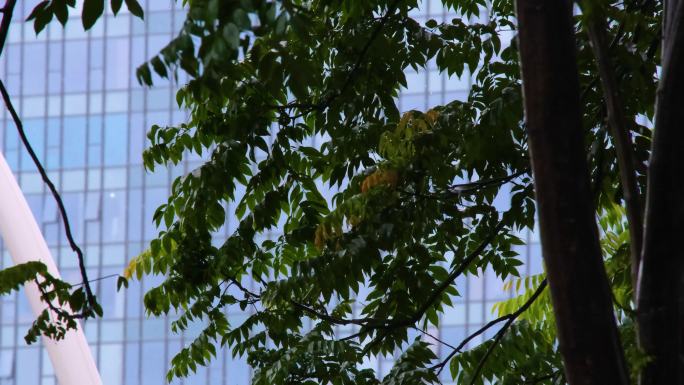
x=587, y=331
x=660, y=295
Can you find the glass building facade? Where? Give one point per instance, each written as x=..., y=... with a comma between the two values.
x=87, y=117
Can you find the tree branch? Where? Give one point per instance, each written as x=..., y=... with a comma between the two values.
x=61, y=313
x=551, y=376
x=456, y=190
x=509, y=318
x=620, y=131
x=331, y=319
x=7, y=12
x=391, y=325
x=471, y=186
x=505, y=328
x=67, y=226
x=434, y=338
x=452, y=277
x=388, y=326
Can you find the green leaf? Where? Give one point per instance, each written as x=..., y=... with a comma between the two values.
x=37, y=10
x=13, y=277
x=144, y=75
x=41, y=16
x=116, y=6
x=92, y=10
x=135, y=8
x=169, y=216
x=61, y=11
x=121, y=282
x=77, y=299
x=231, y=34
x=159, y=66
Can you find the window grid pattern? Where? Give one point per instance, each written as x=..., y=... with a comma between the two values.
x=87, y=118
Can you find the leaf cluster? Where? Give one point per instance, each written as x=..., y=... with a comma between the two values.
x=346, y=213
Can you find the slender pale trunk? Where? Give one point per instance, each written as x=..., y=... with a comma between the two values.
x=660, y=296
x=71, y=358
x=582, y=302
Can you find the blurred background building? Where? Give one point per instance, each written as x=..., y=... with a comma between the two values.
x=87, y=117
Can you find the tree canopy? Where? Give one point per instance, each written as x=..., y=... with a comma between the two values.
x=294, y=101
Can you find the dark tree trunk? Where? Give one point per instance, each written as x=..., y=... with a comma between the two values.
x=660, y=296
x=582, y=302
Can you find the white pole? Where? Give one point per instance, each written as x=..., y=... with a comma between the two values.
x=71, y=359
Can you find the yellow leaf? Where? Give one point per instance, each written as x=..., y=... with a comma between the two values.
x=431, y=116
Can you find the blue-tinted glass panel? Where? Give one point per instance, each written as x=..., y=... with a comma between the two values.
x=97, y=53
x=30, y=369
x=134, y=304
x=12, y=158
x=132, y=364
x=117, y=73
x=154, y=371
x=95, y=129
x=35, y=202
x=13, y=52
x=73, y=146
x=160, y=22
x=116, y=140
x=111, y=363
x=137, y=138
x=53, y=132
x=34, y=68
x=55, y=52
x=135, y=217
x=6, y=363
x=119, y=25
x=114, y=212
x=95, y=155
x=35, y=132
x=76, y=51
x=199, y=378
x=74, y=204
x=154, y=197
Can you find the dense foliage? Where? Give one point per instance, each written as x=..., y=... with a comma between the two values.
x=294, y=101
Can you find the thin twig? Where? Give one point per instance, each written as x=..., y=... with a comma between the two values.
x=505, y=328
x=452, y=277
x=434, y=337
x=509, y=318
x=456, y=190
x=466, y=340
x=97, y=279
x=60, y=204
x=61, y=313
x=471, y=186
x=7, y=12
x=395, y=324
x=243, y=289
x=539, y=379
x=335, y=320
